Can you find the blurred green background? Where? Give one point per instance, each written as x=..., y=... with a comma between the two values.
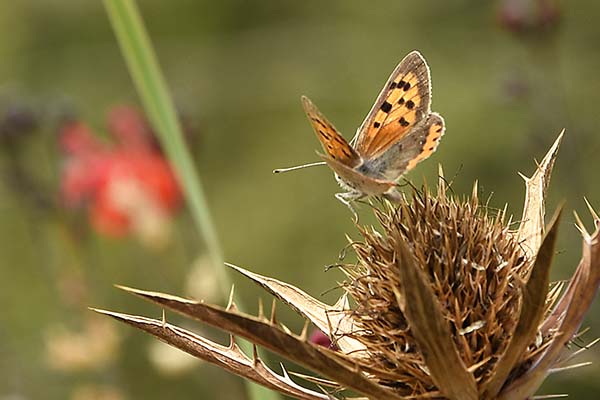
x=507, y=76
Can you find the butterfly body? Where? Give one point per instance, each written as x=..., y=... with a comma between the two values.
x=398, y=132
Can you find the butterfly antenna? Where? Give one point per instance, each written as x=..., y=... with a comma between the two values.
x=280, y=170
x=458, y=172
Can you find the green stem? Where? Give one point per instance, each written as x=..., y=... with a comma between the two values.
x=152, y=89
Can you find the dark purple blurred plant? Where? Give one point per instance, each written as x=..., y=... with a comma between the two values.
x=529, y=16
x=20, y=121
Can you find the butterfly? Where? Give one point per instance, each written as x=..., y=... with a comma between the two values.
x=399, y=132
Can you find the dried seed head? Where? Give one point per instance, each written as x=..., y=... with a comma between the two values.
x=474, y=266
x=448, y=303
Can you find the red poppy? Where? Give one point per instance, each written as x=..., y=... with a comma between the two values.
x=127, y=185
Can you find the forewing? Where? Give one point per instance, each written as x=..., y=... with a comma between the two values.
x=402, y=104
x=334, y=144
x=415, y=147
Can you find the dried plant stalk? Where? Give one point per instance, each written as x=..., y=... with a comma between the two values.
x=443, y=302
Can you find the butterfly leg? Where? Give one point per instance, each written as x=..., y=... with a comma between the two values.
x=394, y=195
x=347, y=198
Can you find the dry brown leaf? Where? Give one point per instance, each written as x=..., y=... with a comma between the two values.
x=531, y=229
x=329, y=319
x=566, y=317
x=431, y=330
x=532, y=311
x=230, y=358
x=330, y=364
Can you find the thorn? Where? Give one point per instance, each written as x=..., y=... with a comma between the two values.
x=502, y=213
x=261, y=309
x=128, y=289
x=580, y=226
x=579, y=334
x=525, y=178
x=475, y=189
x=592, y=343
x=284, y=371
x=551, y=155
x=345, y=302
x=255, y=354
x=584, y=348
x=273, y=316
x=230, y=302
x=239, y=269
x=304, y=334
x=592, y=211
x=441, y=189
x=164, y=319
x=568, y=367
x=286, y=329
x=230, y=265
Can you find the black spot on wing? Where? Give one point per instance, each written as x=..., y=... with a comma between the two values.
x=386, y=107
x=340, y=141
x=325, y=135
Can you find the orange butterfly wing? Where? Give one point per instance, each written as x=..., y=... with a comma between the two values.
x=428, y=139
x=334, y=144
x=413, y=148
x=403, y=103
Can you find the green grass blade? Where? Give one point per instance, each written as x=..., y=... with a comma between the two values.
x=151, y=86
x=152, y=89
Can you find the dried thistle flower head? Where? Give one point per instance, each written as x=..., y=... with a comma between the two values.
x=445, y=302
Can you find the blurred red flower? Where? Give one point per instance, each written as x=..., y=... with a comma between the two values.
x=126, y=186
x=320, y=338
